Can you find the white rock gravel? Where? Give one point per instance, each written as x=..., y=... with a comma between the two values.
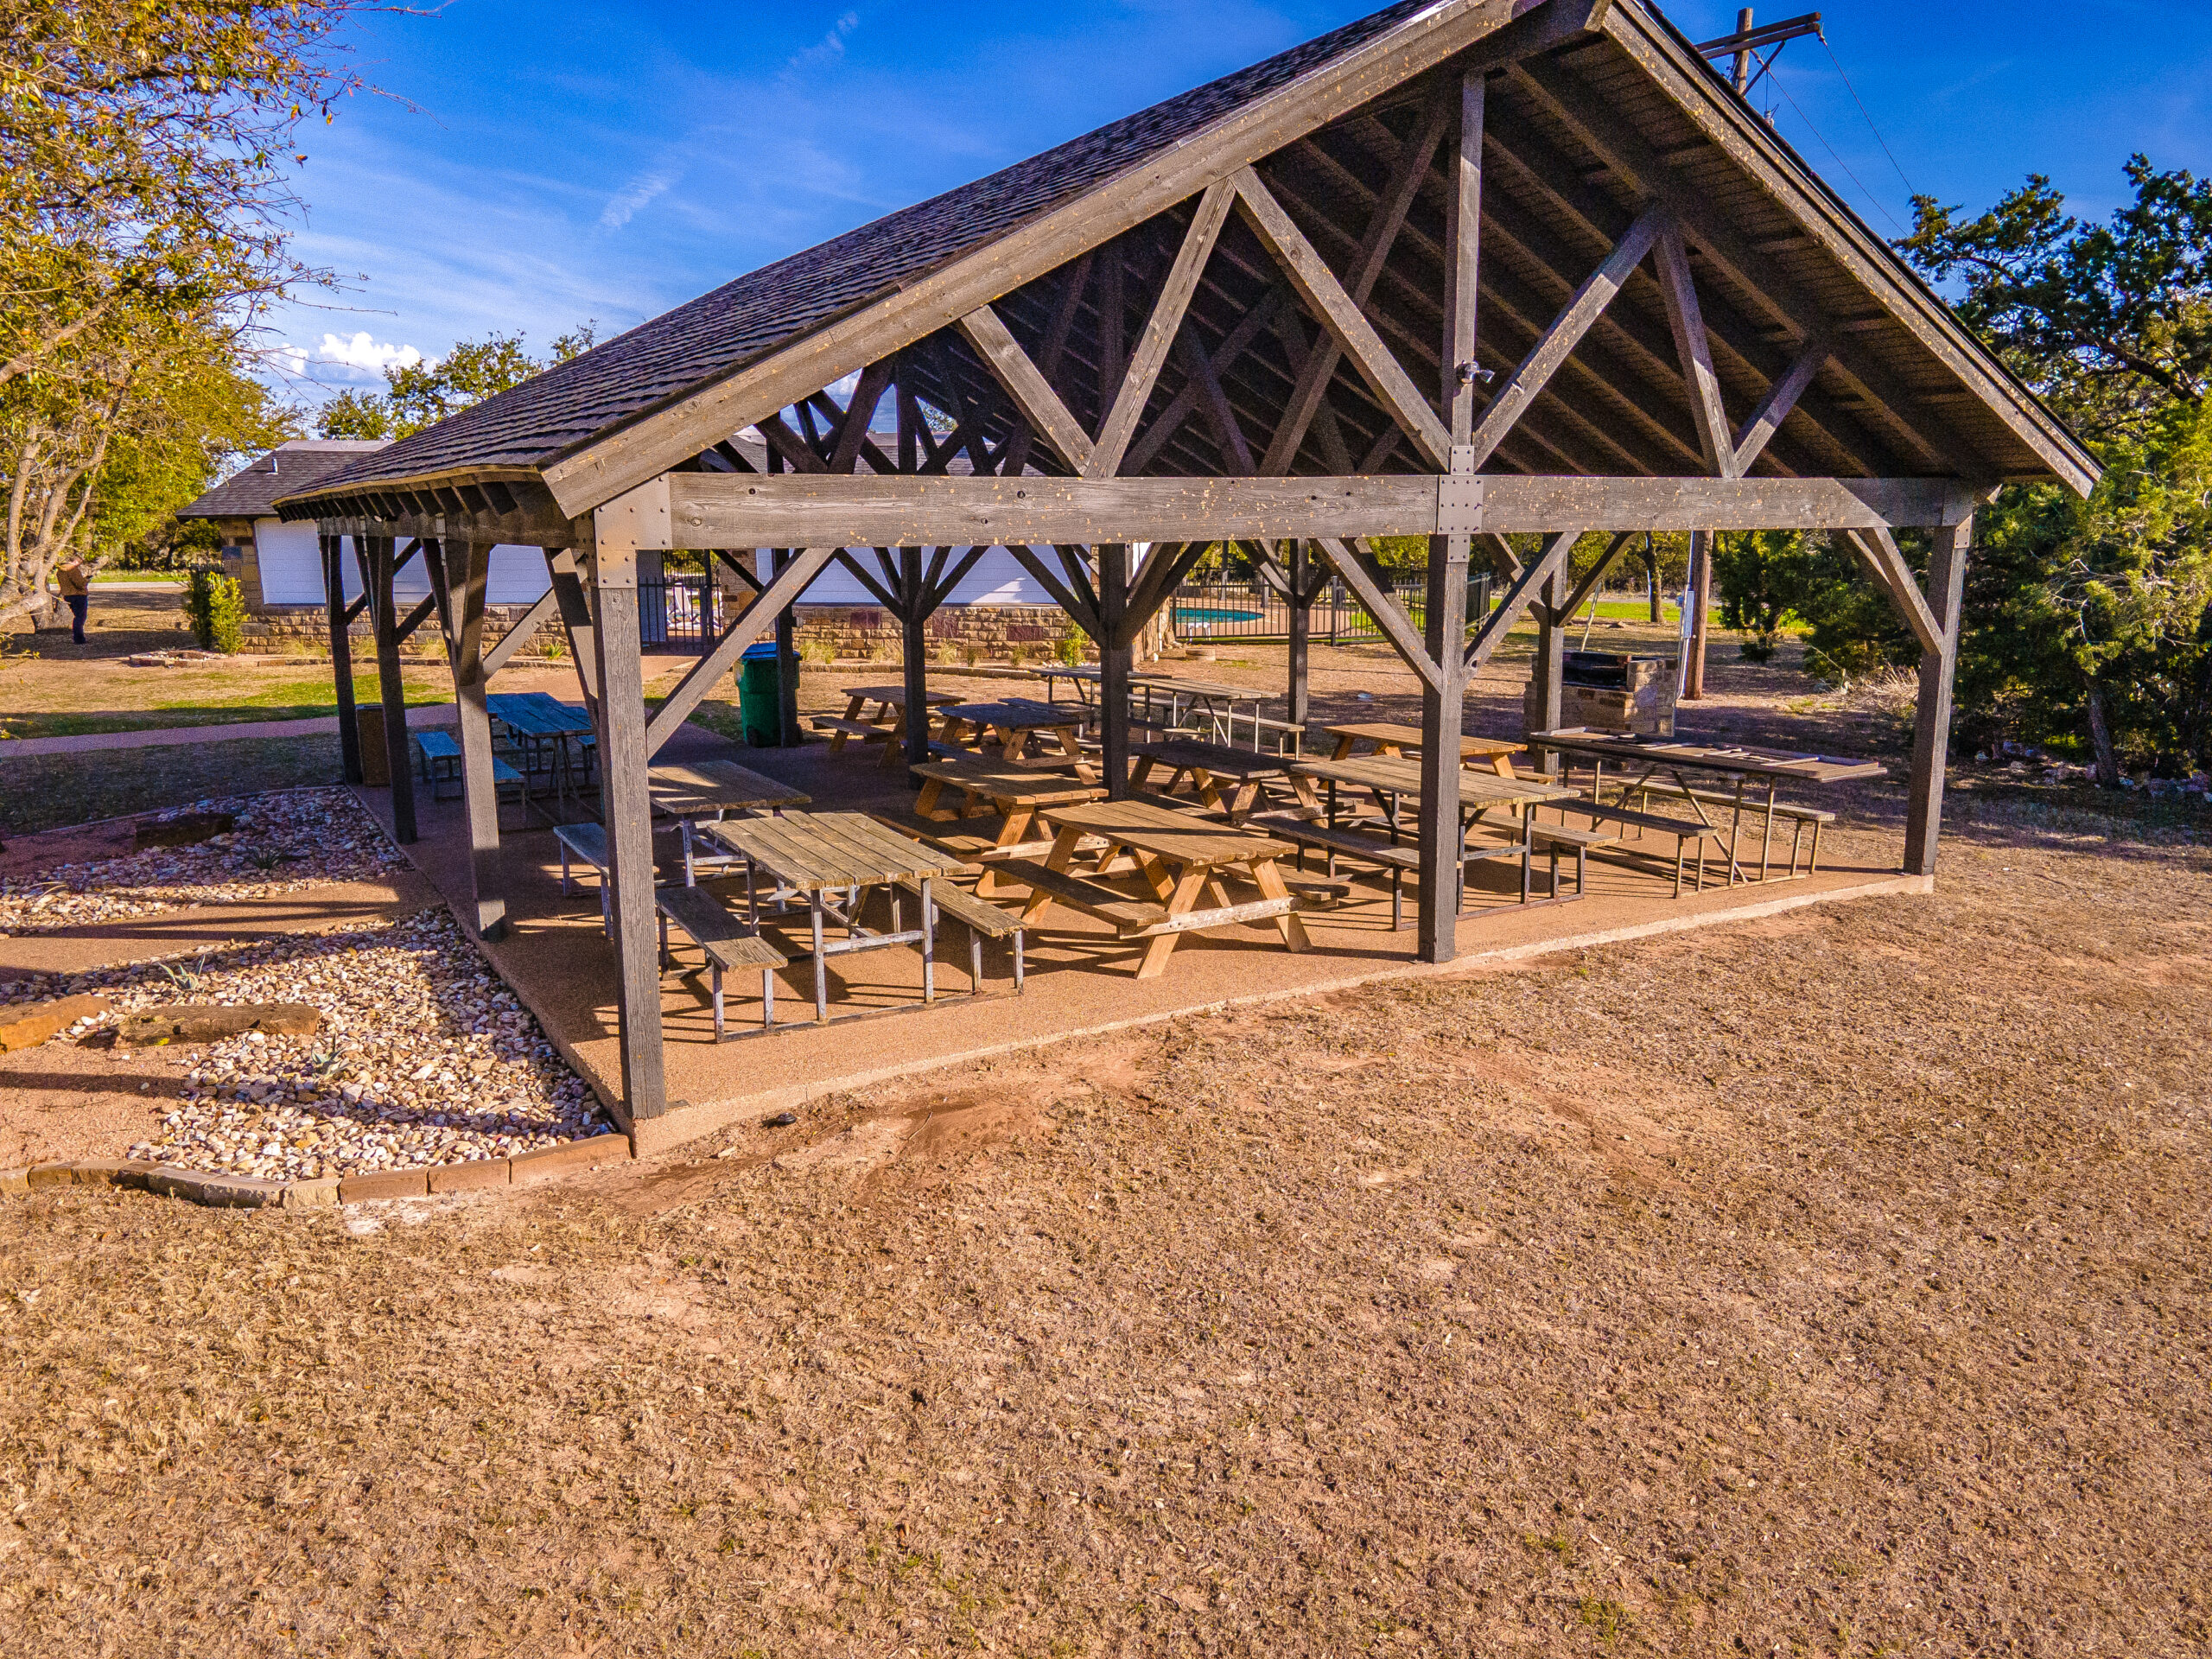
x=424, y=1057
x=283, y=841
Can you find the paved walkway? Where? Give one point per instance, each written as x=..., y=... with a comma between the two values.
x=434, y=714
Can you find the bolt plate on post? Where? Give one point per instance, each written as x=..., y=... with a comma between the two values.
x=1459, y=505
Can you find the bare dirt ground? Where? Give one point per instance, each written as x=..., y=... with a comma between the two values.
x=1833, y=1284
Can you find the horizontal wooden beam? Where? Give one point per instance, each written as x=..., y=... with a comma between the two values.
x=713, y=510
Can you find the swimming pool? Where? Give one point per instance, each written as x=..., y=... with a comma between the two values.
x=1210, y=613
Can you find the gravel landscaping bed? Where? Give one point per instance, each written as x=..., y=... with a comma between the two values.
x=281, y=843
x=424, y=1058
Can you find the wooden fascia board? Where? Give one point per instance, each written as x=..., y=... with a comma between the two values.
x=1728, y=122
x=583, y=475
x=709, y=509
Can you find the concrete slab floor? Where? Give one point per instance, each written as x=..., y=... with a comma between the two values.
x=1080, y=980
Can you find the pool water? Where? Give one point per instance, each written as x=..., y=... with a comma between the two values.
x=1212, y=613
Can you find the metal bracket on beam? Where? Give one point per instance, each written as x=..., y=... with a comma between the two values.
x=638, y=518
x=1459, y=505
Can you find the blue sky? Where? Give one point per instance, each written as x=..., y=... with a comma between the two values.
x=542, y=163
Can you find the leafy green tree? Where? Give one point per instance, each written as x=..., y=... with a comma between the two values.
x=423, y=393
x=2094, y=620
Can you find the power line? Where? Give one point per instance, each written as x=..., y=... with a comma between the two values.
x=1839, y=162
x=1863, y=110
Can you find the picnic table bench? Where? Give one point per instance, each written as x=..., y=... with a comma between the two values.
x=438, y=757
x=585, y=843
x=1685, y=834
x=726, y=943
x=1796, y=817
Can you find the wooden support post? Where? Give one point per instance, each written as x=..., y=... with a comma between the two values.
x=392, y=690
x=1300, y=690
x=1931, y=728
x=1442, y=709
x=1700, y=602
x=1548, y=673
x=626, y=804
x=1651, y=580
x=913, y=618
x=1114, y=655
x=789, y=733
x=467, y=573
x=574, y=604
x=341, y=656
x=1443, y=702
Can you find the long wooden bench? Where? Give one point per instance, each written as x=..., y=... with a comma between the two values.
x=727, y=943
x=982, y=919
x=840, y=728
x=1686, y=835
x=1798, y=816
x=1130, y=917
x=1552, y=838
x=1336, y=841
x=585, y=843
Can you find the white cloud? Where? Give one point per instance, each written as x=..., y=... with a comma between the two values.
x=829, y=48
x=623, y=205
x=361, y=351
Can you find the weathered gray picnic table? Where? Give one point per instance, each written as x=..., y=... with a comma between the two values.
x=830, y=861
x=691, y=791
x=1773, y=767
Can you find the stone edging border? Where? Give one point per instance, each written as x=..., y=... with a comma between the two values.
x=244, y=1192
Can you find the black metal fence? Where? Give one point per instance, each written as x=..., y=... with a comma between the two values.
x=681, y=612
x=1251, y=610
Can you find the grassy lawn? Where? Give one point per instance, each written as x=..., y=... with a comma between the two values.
x=226, y=697
x=44, y=792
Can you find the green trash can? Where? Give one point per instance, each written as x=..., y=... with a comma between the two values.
x=759, y=700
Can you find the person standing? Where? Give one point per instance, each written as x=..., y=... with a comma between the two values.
x=75, y=579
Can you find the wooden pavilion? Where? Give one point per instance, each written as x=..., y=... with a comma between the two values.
x=1465, y=269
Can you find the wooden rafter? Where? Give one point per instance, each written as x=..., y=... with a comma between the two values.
x=1160, y=333
x=1564, y=333
x=1547, y=564
x=1032, y=392
x=1764, y=422
x=1386, y=214
x=1316, y=285
x=1671, y=257
x=1886, y=560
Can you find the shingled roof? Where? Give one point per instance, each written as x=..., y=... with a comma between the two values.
x=576, y=400
x=698, y=359
x=251, y=493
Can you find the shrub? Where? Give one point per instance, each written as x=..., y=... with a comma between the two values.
x=217, y=613
x=1069, y=650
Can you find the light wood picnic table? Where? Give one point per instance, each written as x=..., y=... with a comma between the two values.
x=1393, y=780
x=1675, y=756
x=1019, y=793
x=1209, y=766
x=812, y=856
x=1180, y=858
x=1392, y=740
x=888, y=723
x=1013, y=722
x=703, y=789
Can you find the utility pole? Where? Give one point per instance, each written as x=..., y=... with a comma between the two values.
x=1743, y=48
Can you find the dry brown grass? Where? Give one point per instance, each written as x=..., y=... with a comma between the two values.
x=1833, y=1284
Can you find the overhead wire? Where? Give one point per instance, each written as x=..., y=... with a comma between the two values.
x=1869, y=114
x=1863, y=186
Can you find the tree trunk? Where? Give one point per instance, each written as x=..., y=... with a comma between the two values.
x=2107, y=771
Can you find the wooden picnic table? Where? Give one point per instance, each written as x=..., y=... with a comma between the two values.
x=1202, y=697
x=1019, y=793
x=1393, y=780
x=886, y=724
x=542, y=727
x=1013, y=722
x=812, y=856
x=1208, y=766
x=1675, y=756
x=702, y=788
x=1180, y=857
x=1392, y=740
